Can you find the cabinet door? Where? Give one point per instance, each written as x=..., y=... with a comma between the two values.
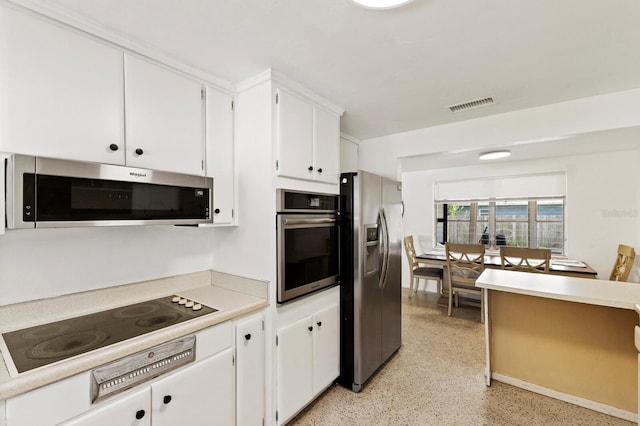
x=295, y=136
x=61, y=92
x=220, y=154
x=250, y=372
x=295, y=375
x=163, y=118
x=203, y=393
x=131, y=410
x=326, y=146
x=55, y=402
x=326, y=347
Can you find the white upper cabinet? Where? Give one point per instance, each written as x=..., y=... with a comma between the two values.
x=220, y=154
x=308, y=139
x=326, y=145
x=60, y=92
x=164, y=118
x=295, y=135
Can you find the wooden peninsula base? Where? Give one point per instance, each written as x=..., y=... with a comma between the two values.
x=568, y=338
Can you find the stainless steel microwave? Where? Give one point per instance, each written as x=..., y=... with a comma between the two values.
x=53, y=193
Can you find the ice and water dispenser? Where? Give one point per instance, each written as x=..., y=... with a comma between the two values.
x=372, y=249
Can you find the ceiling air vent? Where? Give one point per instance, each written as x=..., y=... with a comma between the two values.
x=472, y=104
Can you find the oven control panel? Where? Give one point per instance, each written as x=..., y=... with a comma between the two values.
x=124, y=373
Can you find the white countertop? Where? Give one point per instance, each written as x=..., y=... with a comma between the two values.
x=583, y=290
x=232, y=296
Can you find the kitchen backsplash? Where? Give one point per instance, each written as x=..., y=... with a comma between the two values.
x=41, y=263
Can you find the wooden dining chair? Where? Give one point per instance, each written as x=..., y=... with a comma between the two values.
x=624, y=263
x=418, y=272
x=465, y=263
x=525, y=259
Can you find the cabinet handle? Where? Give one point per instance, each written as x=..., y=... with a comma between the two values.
x=310, y=328
x=166, y=399
x=113, y=147
x=320, y=170
x=319, y=323
x=247, y=337
x=310, y=168
x=216, y=211
x=139, y=151
x=140, y=414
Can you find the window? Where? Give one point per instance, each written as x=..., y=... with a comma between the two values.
x=512, y=223
x=517, y=223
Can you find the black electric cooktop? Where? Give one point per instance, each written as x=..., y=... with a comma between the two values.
x=44, y=344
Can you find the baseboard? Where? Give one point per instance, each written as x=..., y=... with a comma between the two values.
x=572, y=399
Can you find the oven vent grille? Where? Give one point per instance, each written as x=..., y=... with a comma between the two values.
x=471, y=104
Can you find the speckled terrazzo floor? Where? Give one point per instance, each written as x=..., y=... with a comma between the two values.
x=437, y=378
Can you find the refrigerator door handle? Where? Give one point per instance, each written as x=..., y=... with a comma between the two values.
x=386, y=250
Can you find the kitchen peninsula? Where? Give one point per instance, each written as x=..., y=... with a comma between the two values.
x=566, y=337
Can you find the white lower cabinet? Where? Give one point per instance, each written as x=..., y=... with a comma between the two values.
x=250, y=371
x=295, y=376
x=326, y=348
x=308, y=359
x=200, y=393
x=133, y=409
x=203, y=393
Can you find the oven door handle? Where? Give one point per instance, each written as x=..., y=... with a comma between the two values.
x=313, y=221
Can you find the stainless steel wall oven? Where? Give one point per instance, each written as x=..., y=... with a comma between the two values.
x=308, y=240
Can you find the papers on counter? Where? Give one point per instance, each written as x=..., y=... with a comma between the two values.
x=569, y=262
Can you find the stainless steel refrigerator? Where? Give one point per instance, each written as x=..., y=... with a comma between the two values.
x=370, y=289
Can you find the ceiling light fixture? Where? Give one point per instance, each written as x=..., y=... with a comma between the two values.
x=381, y=4
x=494, y=155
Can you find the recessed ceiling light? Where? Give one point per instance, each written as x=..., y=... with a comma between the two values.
x=381, y=4
x=493, y=155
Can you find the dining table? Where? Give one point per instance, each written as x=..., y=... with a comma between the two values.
x=557, y=266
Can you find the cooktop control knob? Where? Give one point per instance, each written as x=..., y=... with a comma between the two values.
x=189, y=304
x=197, y=307
x=175, y=299
x=182, y=301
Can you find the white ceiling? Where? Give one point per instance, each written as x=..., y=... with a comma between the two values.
x=586, y=143
x=400, y=69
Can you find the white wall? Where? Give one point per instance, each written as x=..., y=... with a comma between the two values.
x=602, y=204
x=42, y=263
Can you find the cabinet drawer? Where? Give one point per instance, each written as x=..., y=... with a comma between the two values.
x=214, y=339
x=50, y=404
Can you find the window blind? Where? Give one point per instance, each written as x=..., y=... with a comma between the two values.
x=551, y=185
